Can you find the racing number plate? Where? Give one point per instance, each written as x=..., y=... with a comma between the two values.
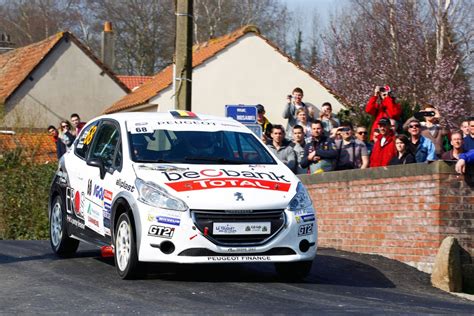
x=253, y=228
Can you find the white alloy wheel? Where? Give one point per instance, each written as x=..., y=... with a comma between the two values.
x=123, y=245
x=56, y=224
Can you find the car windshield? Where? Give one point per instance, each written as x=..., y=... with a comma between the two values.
x=198, y=147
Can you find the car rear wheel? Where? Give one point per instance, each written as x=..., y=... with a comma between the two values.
x=293, y=270
x=125, y=252
x=61, y=243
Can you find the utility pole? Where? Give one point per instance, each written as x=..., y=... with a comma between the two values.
x=183, y=54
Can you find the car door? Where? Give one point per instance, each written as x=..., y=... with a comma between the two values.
x=74, y=166
x=104, y=162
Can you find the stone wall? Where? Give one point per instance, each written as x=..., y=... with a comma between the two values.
x=400, y=212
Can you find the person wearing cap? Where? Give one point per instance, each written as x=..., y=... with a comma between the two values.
x=384, y=148
x=264, y=123
x=422, y=147
x=382, y=104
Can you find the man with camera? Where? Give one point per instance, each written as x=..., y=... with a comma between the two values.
x=328, y=118
x=431, y=127
x=382, y=104
x=293, y=104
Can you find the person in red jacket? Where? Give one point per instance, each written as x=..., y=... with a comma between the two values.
x=382, y=104
x=384, y=148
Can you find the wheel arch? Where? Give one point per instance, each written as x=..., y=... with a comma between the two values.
x=125, y=202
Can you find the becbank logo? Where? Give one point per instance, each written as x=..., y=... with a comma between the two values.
x=222, y=178
x=217, y=173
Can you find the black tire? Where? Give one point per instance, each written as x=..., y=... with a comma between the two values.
x=125, y=248
x=61, y=243
x=293, y=271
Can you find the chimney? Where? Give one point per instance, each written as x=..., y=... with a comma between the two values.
x=5, y=43
x=108, y=46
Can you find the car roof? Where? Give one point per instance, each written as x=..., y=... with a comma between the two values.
x=172, y=115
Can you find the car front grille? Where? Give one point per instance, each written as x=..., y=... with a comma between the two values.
x=205, y=218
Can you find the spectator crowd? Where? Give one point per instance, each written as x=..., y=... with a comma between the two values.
x=314, y=143
x=66, y=133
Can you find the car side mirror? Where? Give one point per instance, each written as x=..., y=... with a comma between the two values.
x=95, y=162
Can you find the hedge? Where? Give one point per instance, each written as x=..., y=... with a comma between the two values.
x=24, y=191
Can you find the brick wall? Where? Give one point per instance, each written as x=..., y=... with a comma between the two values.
x=400, y=212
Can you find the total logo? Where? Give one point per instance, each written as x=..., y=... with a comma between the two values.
x=222, y=178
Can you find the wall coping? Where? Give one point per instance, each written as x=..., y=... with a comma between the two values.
x=415, y=169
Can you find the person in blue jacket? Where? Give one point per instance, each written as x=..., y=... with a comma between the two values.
x=466, y=158
x=422, y=147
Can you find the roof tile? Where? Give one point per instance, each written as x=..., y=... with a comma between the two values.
x=35, y=147
x=133, y=82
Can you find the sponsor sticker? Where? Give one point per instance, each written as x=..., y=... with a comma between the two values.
x=192, y=185
x=168, y=220
x=238, y=258
x=161, y=231
x=75, y=222
x=241, y=228
x=308, y=218
x=124, y=185
x=306, y=229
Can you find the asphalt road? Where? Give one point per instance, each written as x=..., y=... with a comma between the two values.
x=34, y=281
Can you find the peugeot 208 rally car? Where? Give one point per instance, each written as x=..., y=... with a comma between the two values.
x=180, y=188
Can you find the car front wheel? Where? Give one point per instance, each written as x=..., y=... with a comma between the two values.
x=125, y=252
x=61, y=243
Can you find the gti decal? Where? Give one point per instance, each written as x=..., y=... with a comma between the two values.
x=161, y=231
x=304, y=230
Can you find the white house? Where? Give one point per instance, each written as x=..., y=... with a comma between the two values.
x=45, y=82
x=239, y=68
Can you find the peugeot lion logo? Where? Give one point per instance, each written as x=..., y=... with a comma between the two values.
x=238, y=196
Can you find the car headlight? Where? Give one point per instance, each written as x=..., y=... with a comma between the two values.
x=152, y=194
x=301, y=201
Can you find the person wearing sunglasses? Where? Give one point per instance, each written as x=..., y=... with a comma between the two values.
x=361, y=134
x=65, y=134
x=423, y=148
x=351, y=153
x=382, y=104
x=384, y=148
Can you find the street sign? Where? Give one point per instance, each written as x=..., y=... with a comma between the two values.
x=245, y=114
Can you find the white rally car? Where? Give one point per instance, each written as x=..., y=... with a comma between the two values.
x=177, y=187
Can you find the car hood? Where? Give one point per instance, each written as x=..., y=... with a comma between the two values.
x=224, y=186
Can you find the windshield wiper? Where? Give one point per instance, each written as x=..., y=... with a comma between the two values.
x=220, y=160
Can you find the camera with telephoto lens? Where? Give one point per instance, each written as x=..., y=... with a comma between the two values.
x=422, y=114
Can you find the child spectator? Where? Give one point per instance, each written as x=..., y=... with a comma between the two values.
x=328, y=118
x=404, y=155
x=456, y=142
x=298, y=145
x=282, y=150
x=384, y=148
x=320, y=152
x=77, y=125
x=421, y=147
x=382, y=104
x=351, y=153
